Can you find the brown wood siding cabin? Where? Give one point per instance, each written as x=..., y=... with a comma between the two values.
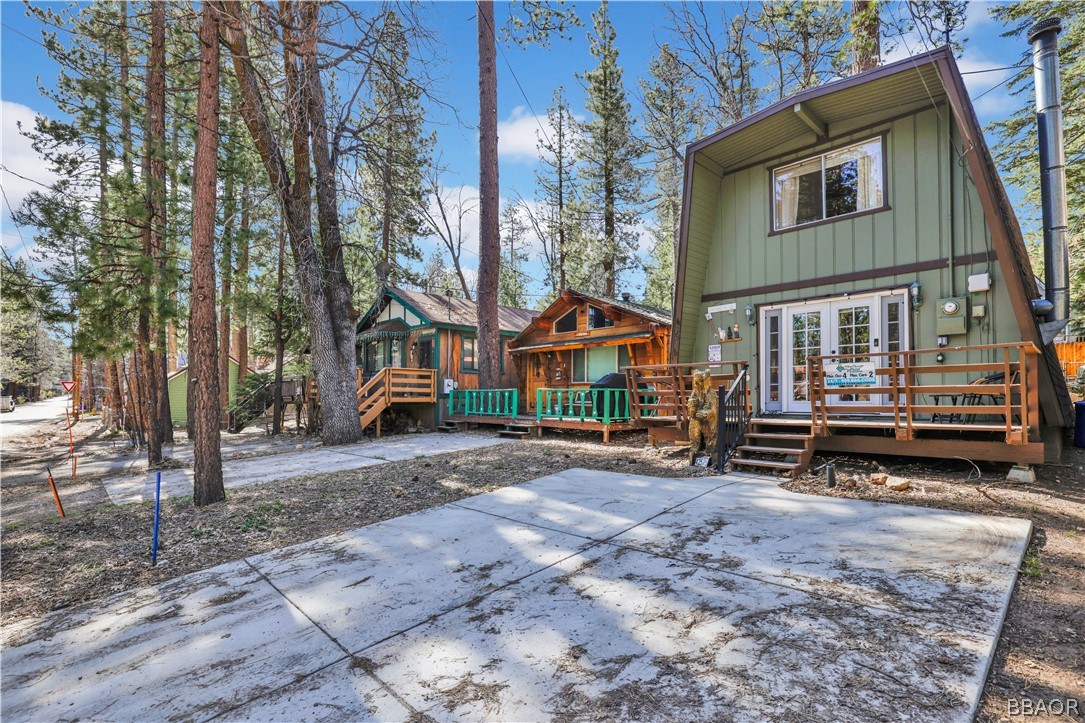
x=581, y=337
x=859, y=235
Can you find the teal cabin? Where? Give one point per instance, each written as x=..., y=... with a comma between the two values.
x=853, y=250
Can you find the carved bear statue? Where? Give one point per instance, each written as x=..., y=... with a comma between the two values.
x=703, y=410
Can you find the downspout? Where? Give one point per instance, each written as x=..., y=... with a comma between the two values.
x=1055, y=307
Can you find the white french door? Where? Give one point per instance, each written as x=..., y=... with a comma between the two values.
x=806, y=337
x=854, y=327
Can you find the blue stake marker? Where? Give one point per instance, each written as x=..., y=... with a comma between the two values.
x=157, y=508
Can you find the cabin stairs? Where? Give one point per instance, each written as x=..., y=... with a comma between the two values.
x=515, y=431
x=771, y=447
x=451, y=426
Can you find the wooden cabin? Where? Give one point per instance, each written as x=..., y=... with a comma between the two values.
x=413, y=330
x=859, y=238
x=177, y=386
x=579, y=341
x=581, y=338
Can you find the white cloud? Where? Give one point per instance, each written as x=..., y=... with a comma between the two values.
x=17, y=154
x=518, y=135
x=20, y=162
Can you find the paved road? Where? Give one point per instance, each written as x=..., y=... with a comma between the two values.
x=26, y=417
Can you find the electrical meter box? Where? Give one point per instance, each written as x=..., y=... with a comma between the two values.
x=952, y=316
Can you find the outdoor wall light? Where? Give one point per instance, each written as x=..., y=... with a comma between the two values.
x=749, y=316
x=917, y=299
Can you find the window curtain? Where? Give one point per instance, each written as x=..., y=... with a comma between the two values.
x=870, y=176
x=788, y=190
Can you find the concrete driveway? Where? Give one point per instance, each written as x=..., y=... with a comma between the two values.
x=583, y=594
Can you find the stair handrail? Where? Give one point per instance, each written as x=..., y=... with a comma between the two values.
x=733, y=418
x=377, y=379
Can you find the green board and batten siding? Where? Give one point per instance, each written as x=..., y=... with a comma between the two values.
x=177, y=385
x=730, y=247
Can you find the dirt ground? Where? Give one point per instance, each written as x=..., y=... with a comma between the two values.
x=49, y=564
x=1041, y=652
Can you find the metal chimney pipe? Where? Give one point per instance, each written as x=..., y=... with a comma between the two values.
x=1045, y=62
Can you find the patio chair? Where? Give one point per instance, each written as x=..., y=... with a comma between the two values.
x=979, y=397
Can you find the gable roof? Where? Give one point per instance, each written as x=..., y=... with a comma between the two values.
x=568, y=297
x=441, y=310
x=902, y=87
x=184, y=369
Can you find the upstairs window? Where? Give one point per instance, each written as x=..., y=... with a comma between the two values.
x=566, y=324
x=838, y=183
x=597, y=319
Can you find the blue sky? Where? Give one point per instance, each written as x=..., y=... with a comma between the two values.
x=640, y=27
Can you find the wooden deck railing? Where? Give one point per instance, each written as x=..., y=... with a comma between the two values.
x=659, y=391
x=404, y=385
x=484, y=402
x=911, y=389
x=600, y=405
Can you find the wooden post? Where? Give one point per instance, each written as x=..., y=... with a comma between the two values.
x=907, y=432
x=1007, y=398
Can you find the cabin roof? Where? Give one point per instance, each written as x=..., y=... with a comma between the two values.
x=651, y=313
x=569, y=297
x=441, y=310
x=902, y=87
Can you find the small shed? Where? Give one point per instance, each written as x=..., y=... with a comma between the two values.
x=177, y=384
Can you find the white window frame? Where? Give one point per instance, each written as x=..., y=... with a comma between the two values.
x=776, y=228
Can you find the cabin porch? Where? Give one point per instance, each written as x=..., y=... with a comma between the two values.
x=595, y=410
x=906, y=403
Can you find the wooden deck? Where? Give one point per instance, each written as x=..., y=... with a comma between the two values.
x=538, y=425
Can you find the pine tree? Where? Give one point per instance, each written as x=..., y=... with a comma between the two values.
x=1015, y=149
x=396, y=152
x=555, y=181
x=207, y=466
x=610, y=151
x=512, y=290
x=799, y=41
x=671, y=115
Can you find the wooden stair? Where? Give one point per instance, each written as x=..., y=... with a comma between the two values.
x=447, y=427
x=515, y=431
x=768, y=447
x=373, y=400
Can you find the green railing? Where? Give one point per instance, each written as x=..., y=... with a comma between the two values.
x=600, y=405
x=484, y=402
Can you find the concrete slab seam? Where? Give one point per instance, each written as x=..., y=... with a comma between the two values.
x=318, y=626
x=1005, y=610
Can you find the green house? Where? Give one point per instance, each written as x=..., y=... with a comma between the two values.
x=177, y=383
x=854, y=245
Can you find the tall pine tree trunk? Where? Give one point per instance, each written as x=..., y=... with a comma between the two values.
x=280, y=345
x=241, y=287
x=154, y=183
x=489, y=232
x=226, y=264
x=329, y=316
x=202, y=342
x=865, y=35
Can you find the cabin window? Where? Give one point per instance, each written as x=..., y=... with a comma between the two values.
x=468, y=357
x=580, y=367
x=623, y=358
x=838, y=183
x=597, y=319
x=566, y=324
